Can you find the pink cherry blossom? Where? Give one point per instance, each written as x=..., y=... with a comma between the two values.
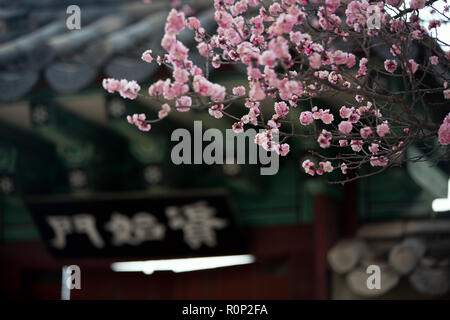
x=183, y=103
x=129, y=89
x=444, y=131
x=218, y=92
x=315, y=61
x=204, y=49
x=297, y=52
x=202, y=86
x=175, y=22
x=345, y=112
x=216, y=111
x=434, y=60
x=345, y=127
x=324, y=139
x=390, y=65
x=268, y=58
x=281, y=108
x=343, y=167
x=256, y=92
x=351, y=60
x=239, y=91
x=354, y=117
x=362, y=67
x=139, y=121
x=395, y=3
x=378, y=161
x=165, y=109
x=365, y=132
x=308, y=166
x=181, y=75
x=412, y=66
x=327, y=117
x=193, y=23
x=417, y=4
x=316, y=114
x=356, y=145
x=215, y=61
x=383, y=129
x=339, y=57
x=324, y=167
x=275, y=8
x=238, y=127
x=374, y=148
x=282, y=149
x=447, y=94
x=306, y=118
x=111, y=85
x=147, y=56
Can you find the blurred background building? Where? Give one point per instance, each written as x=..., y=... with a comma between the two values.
x=61, y=134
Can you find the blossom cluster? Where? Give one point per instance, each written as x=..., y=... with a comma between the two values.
x=294, y=51
x=126, y=89
x=139, y=121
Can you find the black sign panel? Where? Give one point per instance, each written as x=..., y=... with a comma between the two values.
x=138, y=225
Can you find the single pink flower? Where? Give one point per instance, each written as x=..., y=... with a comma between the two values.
x=390, y=65
x=238, y=127
x=412, y=66
x=306, y=118
x=268, y=58
x=256, y=92
x=434, y=60
x=395, y=3
x=129, y=89
x=216, y=111
x=165, y=109
x=308, y=166
x=378, y=161
x=183, y=103
x=356, y=145
x=447, y=94
x=281, y=108
x=193, y=23
x=139, y=121
x=282, y=149
x=147, y=56
x=327, y=118
x=324, y=167
x=345, y=127
x=239, y=91
x=374, y=148
x=345, y=112
x=111, y=85
x=417, y=4
x=315, y=61
x=324, y=139
x=383, y=129
x=365, y=132
x=175, y=22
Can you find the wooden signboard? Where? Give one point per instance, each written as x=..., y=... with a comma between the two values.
x=138, y=225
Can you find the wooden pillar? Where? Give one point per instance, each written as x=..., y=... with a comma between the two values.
x=348, y=211
x=325, y=233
